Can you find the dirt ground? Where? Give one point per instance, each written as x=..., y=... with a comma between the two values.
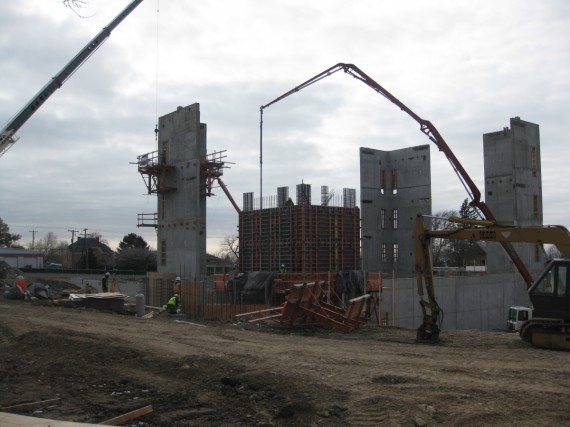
x=101, y=365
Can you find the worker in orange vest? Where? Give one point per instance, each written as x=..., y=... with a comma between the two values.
x=176, y=285
x=21, y=283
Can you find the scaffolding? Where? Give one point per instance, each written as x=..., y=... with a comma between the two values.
x=147, y=220
x=154, y=172
x=300, y=239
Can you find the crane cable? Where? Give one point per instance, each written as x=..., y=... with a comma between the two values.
x=156, y=77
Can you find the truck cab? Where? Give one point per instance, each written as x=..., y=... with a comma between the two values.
x=518, y=315
x=549, y=296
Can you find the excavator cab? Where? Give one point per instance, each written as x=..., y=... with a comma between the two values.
x=549, y=294
x=550, y=323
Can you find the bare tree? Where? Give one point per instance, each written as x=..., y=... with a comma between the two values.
x=51, y=248
x=229, y=248
x=98, y=236
x=441, y=248
x=452, y=253
x=76, y=6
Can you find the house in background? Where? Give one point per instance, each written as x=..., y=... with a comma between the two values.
x=22, y=258
x=88, y=253
x=216, y=265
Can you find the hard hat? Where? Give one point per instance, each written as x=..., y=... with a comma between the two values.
x=177, y=279
x=107, y=274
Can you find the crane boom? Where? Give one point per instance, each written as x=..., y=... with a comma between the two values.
x=7, y=134
x=433, y=134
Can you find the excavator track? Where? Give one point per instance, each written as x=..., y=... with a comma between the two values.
x=551, y=334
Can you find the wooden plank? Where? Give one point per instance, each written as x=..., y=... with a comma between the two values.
x=264, y=318
x=256, y=312
x=30, y=405
x=15, y=420
x=188, y=323
x=128, y=416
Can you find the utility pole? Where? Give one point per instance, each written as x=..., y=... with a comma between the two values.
x=73, y=235
x=85, y=249
x=33, y=238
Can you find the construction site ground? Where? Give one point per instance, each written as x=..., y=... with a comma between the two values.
x=101, y=365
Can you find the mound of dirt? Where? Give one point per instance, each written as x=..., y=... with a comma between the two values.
x=59, y=288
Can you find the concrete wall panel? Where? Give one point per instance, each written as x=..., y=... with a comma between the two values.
x=395, y=187
x=467, y=302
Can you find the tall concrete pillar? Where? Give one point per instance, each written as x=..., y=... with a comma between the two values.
x=181, y=201
x=513, y=189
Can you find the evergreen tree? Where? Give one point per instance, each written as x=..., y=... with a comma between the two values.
x=132, y=241
x=7, y=239
x=468, y=211
x=134, y=253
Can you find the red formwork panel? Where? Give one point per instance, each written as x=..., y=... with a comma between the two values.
x=220, y=280
x=373, y=281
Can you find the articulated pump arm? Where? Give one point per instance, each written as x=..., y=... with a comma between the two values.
x=433, y=134
x=473, y=230
x=229, y=195
x=7, y=133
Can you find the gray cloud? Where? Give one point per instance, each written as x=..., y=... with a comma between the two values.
x=466, y=67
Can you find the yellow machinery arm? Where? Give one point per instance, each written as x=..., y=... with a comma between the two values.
x=429, y=330
x=490, y=231
x=473, y=230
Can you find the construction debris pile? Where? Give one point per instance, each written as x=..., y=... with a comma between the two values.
x=14, y=286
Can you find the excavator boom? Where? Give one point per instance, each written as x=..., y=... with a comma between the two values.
x=550, y=294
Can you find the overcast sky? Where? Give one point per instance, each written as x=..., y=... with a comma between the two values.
x=466, y=66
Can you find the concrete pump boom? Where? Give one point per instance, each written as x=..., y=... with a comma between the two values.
x=433, y=134
x=7, y=133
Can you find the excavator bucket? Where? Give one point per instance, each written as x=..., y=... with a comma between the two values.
x=428, y=332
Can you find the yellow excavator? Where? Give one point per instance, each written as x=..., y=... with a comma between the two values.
x=549, y=326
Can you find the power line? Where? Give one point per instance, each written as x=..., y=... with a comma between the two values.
x=85, y=251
